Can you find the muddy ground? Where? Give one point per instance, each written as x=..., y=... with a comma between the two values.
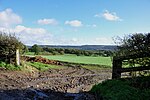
x=69, y=83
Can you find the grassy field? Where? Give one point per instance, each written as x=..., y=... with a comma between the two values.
x=82, y=59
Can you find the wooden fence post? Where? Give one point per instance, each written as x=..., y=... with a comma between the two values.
x=117, y=64
x=17, y=57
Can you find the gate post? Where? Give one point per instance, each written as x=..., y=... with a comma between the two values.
x=117, y=64
x=17, y=57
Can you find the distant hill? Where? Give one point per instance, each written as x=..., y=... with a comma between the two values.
x=98, y=47
x=83, y=47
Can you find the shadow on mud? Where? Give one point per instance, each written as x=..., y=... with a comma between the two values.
x=45, y=94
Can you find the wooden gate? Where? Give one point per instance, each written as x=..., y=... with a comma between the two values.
x=117, y=64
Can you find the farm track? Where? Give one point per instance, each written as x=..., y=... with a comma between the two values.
x=57, y=84
x=70, y=83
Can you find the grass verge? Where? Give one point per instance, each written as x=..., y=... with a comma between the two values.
x=123, y=89
x=44, y=67
x=9, y=66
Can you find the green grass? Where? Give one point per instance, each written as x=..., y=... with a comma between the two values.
x=37, y=65
x=44, y=67
x=9, y=66
x=82, y=59
x=123, y=89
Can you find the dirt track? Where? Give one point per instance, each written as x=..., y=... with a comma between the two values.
x=70, y=83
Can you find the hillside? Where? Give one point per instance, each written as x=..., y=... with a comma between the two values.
x=83, y=47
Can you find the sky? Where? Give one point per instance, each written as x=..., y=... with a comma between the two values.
x=73, y=22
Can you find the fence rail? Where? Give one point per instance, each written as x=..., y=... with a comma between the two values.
x=117, y=65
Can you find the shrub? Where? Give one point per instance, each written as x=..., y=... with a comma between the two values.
x=8, y=45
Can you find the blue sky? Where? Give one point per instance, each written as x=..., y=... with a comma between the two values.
x=73, y=22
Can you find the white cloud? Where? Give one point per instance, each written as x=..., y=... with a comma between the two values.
x=47, y=22
x=74, y=23
x=8, y=18
x=33, y=35
x=111, y=16
x=27, y=30
x=30, y=36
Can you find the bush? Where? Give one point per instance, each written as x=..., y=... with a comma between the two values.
x=8, y=45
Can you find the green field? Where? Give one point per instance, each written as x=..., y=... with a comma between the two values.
x=81, y=59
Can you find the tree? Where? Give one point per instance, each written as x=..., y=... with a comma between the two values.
x=36, y=49
x=135, y=44
x=8, y=46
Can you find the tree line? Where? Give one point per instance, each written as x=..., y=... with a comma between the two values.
x=61, y=51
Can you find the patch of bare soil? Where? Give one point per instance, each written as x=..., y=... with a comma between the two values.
x=42, y=60
x=70, y=83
